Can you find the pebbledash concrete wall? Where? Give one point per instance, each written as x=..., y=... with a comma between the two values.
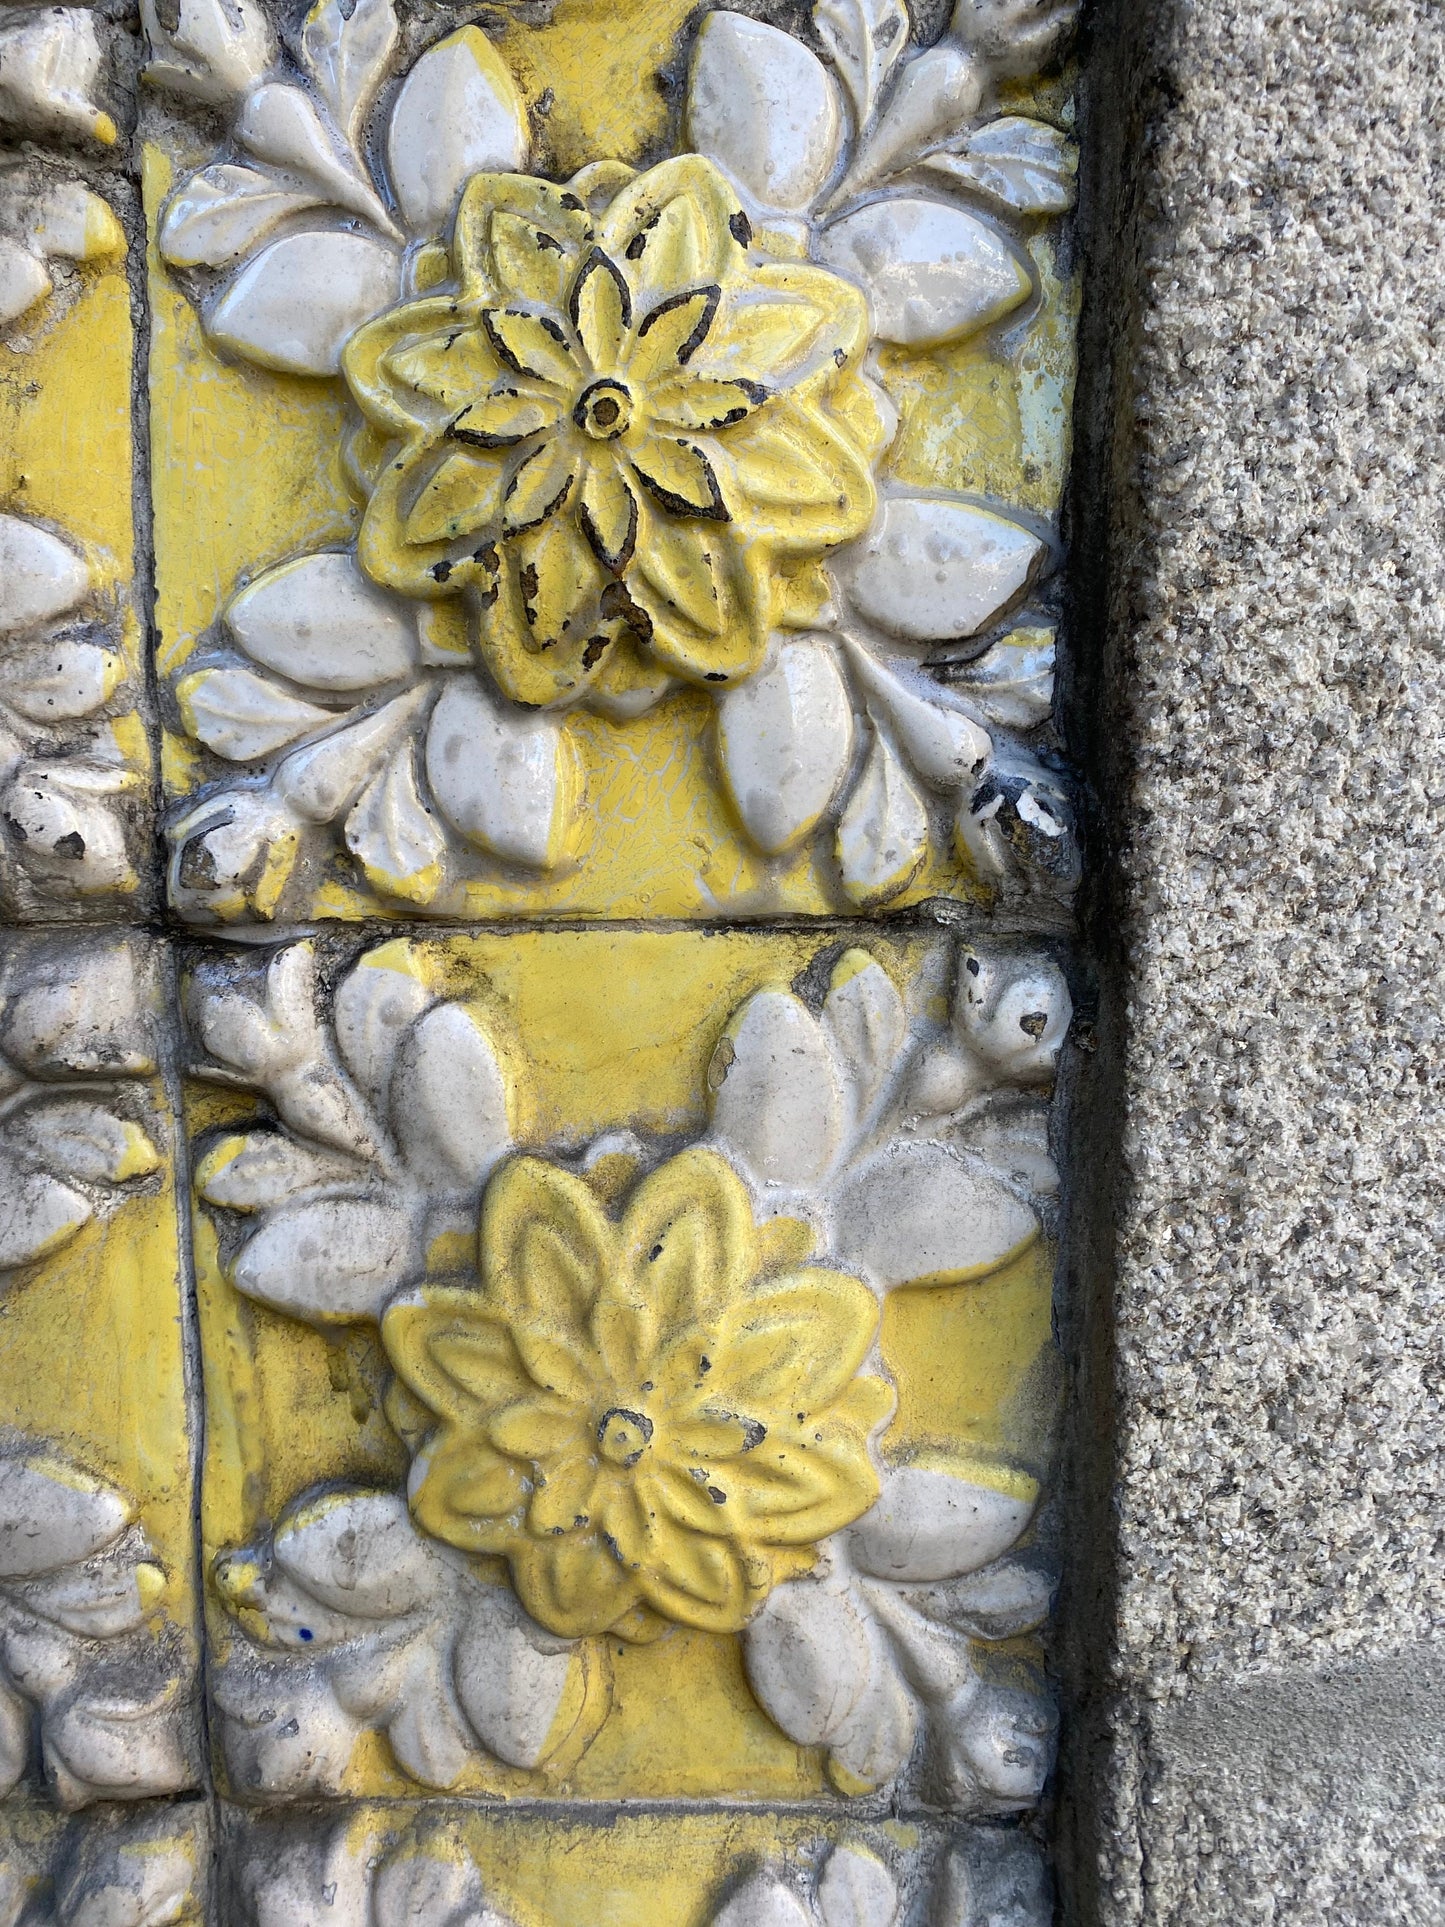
x=1258, y=1662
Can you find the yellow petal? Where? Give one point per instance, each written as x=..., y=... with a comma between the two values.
x=796, y=1490
x=688, y=1240
x=796, y=479
x=521, y=666
x=680, y=478
x=705, y=594
x=451, y=1353
x=670, y=335
x=699, y=1580
x=538, y=1429
x=559, y=579
x=463, y=494
x=508, y=416
x=624, y=1330
x=539, y=487
x=452, y=368
x=531, y=344
x=696, y=402
x=546, y=1243
x=676, y=222
x=365, y=361
x=466, y=1495
x=571, y=1584
x=711, y=1439
x=418, y=569
x=541, y=204
x=555, y=1360
x=785, y=323
x=563, y=1501
x=793, y=1343
x=601, y=310
x=599, y=183
x=529, y=260
x=607, y=511
x=687, y=1502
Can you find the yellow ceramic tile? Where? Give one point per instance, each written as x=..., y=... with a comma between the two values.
x=97, y=1605
x=511, y=1588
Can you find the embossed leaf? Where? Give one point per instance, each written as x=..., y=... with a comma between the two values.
x=764, y=108
x=59, y=681
x=86, y=1141
x=1014, y=1013
x=296, y=303
x=253, y=1171
x=763, y=1901
x=919, y=1214
x=242, y=716
x=325, y=778
x=99, y=1599
x=216, y=51
x=784, y=738
x=929, y=1525
x=53, y=1516
x=358, y=1553
x=504, y=777
x=331, y=1261
x=67, y=222
x=85, y=1013
x=346, y=53
x=776, y=1101
x=115, y=1747
x=280, y=124
x=857, y=1890
x=936, y=94
x=511, y=1679
x=997, y=1742
x=934, y=271
x=1015, y=1141
x=23, y=280
x=222, y=212
x=63, y=827
x=943, y=743
x=459, y=113
x=872, y=1745
x=41, y=577
x=449, y=1100
x=809, y=1654
x=320, y=621
x=935, y=566
x=1009, y=1597
x=422, y=1889
x=1012, y=682
x=375, y=1004
x=866, y=39
x=50, y=62
x=882, y=839
x=393, y=835
x=1021, y=164
x=1015, y=37
x=38, y=1214
x=865, y=1017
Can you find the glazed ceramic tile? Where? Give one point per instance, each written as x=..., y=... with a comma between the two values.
x=609, y=473
x=140, y=1866
x=97, y=1633
x=628, y=1366
x=384, y=1867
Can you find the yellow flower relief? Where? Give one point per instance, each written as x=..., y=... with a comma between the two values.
x=615, y=433
x=640, y=1413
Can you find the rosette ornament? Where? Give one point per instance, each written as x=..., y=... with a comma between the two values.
x=651, y=1417
x=628, y=435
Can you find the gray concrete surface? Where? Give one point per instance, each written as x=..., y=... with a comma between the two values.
x=1261, y=1740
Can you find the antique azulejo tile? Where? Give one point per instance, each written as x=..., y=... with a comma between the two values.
x=628, y=1365
x=566, y=503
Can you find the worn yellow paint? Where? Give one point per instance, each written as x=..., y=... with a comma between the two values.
x=91, y=1360
x=612, y=1028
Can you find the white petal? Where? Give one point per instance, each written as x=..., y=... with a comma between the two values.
x=49, y=64
x=775, y=1091
x=857, y=1890
x=242, y=716
x=70, y=222
x=64, y=830
x=413, y=1889
x=943, y=743
x=80, y=1140
x=41, y=577
x=347, y=44
x=329, y=1261
x=359, y=1554
x=38, y=1215
x=932, y=271
x=23, y=280
x=866, y=1020
x=325, y=778
x=393, y=835
x=280, y=124
x=808, y=1655
x=1012, y=682
x=218, y=50
x=375, y=1005
x=510, y=1678
x=222, y=212
x=459, y=113
x=763, y=1902
x=785, y=737
x=260, y=1169
x=295, y=305
x=882, y=836
x=59, y=681
x=86, y=1014
x=764, y=108
x=320, y=621
x=874, y=1742
x=928, y=1526
x=917, y=1214
x=449, y=1100
x=52, y=1516
x=933, y=566
x=501, y=774
x=1014, y=1012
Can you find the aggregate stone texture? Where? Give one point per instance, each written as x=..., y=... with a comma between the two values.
x=1274, y=1713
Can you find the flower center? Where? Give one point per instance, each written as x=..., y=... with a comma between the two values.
x=604, y=411
x=622, y=1436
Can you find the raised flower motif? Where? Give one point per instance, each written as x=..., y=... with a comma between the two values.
x=659, y=1412
x=627, y=433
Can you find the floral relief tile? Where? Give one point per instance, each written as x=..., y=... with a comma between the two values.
x=628, y=1365
x=98, y=1655
x=605, y=504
